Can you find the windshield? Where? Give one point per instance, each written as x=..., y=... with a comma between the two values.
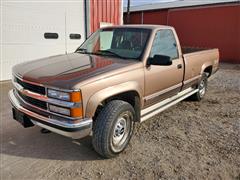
x=126, y=43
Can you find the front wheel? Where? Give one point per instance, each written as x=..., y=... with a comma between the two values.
x=113, y=128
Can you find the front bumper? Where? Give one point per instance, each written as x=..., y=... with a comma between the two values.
x=73, y=129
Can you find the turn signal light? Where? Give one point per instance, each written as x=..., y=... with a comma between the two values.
x=75, y=97
x=77, y=112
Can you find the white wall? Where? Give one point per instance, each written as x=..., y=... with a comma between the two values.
x=23, y=25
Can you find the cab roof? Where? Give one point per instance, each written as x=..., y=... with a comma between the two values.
x=145, y=26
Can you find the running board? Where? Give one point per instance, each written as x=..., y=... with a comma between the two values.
x=161, y=106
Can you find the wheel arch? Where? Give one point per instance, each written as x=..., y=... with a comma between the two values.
x=207, y=68
x=129, y=92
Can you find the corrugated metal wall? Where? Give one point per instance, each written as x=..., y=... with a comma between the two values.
x=149, y=17
x=109, y=11
x=208, y=26
x=135, y=18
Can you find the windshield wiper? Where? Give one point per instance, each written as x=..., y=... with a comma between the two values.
x=100, y=52
x=112, y=53
x=81, y=50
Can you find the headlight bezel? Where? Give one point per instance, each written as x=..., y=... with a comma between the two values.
x=76, y=112
x=74, y=96
x=67, y=96
x=59, y=110
x=60, y=95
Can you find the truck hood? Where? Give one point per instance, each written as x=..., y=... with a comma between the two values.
x=65, y=71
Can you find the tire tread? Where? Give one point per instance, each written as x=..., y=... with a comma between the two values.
x=103, y=124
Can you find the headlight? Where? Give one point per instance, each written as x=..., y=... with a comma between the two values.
x=72, y=96
x=76, y=97
x=59, y=110
x=73, y=112
x=58, y=95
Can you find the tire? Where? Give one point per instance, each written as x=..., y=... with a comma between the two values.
x=202, y=87
x=113, y=128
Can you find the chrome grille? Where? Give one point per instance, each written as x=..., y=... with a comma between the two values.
x=32, y=94
x=35, y=102
x=31, y=87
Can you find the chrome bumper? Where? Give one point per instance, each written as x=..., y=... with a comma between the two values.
x=73, y=129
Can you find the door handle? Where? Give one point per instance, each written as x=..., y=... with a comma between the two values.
x=179, y=66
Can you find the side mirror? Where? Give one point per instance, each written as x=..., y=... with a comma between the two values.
x=160, y=60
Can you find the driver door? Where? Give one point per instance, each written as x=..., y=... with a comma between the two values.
x=162, y=82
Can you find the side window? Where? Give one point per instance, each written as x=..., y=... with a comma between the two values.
x=164, y=44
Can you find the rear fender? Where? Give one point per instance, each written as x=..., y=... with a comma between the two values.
x=206, y=65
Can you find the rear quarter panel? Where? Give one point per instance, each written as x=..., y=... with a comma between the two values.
x=197, y=62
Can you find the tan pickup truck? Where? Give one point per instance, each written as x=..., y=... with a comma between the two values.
x=120, y=75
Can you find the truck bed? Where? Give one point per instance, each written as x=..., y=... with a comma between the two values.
x=197, y=58
x=187, y=50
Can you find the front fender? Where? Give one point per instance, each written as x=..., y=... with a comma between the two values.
x=103, y=94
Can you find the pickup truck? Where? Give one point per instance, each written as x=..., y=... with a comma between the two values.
x=119, y=76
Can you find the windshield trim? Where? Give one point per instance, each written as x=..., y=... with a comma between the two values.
x=149, y=31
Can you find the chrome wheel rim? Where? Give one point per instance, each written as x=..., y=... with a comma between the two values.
x=121, y=131
x=202, y=88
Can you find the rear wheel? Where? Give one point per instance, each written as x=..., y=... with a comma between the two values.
x=202, y=88
x=113, y=128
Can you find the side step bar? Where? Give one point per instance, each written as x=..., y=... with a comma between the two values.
x=161, y=106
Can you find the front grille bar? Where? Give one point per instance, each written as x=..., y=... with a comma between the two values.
x=44, y=98
x=44, y=110
x=31, y=87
